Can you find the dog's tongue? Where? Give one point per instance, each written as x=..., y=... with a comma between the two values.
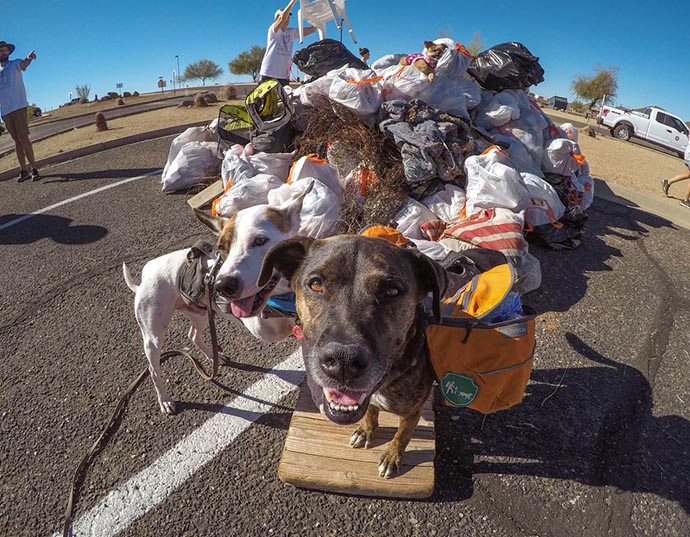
x=343, y=397
x=242, y=308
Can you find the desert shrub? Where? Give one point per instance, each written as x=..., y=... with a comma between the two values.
x=229, y=92
x=200, y=101
x=101, y=124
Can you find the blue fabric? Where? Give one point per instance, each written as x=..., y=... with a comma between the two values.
x=284, y=302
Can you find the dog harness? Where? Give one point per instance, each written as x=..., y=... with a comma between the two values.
x=411, y=58
x=192, y=280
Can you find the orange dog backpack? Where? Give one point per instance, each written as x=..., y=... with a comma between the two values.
x=478, y=363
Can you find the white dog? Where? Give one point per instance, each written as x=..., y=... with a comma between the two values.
x=243, y=240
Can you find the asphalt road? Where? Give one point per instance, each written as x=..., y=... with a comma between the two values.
x=600, y=446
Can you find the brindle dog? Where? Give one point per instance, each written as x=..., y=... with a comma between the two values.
x=359, y=301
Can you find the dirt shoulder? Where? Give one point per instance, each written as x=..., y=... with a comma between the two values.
x=624, y=163
x=117, y=128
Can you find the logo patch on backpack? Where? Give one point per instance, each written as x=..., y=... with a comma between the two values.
x=459, y=390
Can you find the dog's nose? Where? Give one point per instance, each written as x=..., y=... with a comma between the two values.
x=228, y=286
x=342, y=362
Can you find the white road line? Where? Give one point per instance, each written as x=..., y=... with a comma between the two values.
x=75, y=198
x=133, y=499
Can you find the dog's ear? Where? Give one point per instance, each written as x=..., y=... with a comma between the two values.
x=428, y=44
x=214, y=223
x=285, y=257
x=433, y=277
x=293, y=207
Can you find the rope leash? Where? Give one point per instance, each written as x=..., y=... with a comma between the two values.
x=109, y=429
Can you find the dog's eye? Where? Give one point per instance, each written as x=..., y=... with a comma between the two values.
x=316, y=285
x=392, y=291
x=260, y=241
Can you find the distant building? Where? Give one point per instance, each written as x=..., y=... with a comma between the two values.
x=558, y=103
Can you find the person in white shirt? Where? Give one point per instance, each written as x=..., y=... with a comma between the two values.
x=666, y=183
x=278, y=56
x=13, y=108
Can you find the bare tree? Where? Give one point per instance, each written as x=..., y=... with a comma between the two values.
x=83, y=91
x=202, y=69
x=476, y=46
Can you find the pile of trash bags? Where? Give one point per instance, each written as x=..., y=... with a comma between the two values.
x=459, y=160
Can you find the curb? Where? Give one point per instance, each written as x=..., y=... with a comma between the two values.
x=103, y=146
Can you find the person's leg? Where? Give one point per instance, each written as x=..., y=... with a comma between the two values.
x=666, y=183
x=22, y=127
x=679, y=177
x=11, y=126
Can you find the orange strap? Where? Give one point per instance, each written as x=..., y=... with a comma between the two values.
x=495, y=148
x=462, y=50
x=365, y=81
x=580, y=159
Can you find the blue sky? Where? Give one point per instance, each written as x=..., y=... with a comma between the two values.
x=102, y=43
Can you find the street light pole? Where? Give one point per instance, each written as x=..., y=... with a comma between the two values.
x=178, y=70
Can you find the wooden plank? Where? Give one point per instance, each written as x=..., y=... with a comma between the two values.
x=317, y=455
x=206, y=196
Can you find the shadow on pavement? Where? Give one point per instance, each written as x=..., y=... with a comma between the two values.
x=593, y=425
x=45, y=226
x=564, y=272
x=122, y=173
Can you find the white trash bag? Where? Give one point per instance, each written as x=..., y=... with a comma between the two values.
x=313, y=166
x=403, y=82
x=410, y=218
x=545, y=206
x=320, y=209
x=196, y=163
x=493, y=182
x=585, y=186
x=359, y=91
x=277, y=164
x=562, y=156
x=192, y=134
x=246, y=192
x=446, y=204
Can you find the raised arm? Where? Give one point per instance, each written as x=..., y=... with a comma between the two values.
x=27, y=61
x=282, y=20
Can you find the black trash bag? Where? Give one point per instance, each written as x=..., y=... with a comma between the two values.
x=506, y=66
x=325, y=55
x=565, y=237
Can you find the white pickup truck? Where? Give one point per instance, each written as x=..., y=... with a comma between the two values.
x=654, y=125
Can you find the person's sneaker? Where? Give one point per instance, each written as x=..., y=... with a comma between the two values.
x=35, y=176
x=664, y=186
x=685, y=203
x=23, y=176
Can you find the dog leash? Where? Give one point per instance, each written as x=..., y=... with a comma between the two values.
x=209, y=279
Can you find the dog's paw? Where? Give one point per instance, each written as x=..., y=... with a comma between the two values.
x=168, y=407
x=389, y=464
x=360, y=438
x=430, y=76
